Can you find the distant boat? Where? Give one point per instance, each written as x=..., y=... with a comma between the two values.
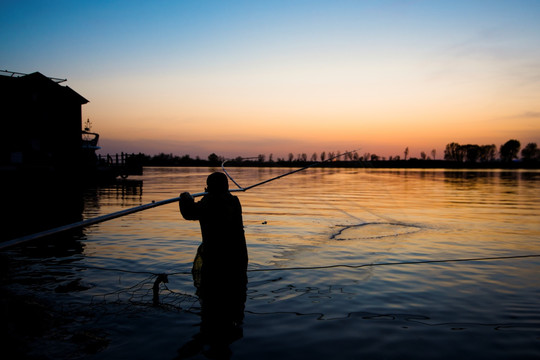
x=109, y=167
x=89, y=139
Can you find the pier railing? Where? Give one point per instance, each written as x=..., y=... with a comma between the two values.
x=123, y=164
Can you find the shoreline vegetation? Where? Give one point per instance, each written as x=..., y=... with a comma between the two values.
x=456, y=156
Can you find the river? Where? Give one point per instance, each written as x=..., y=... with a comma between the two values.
x=344, y=264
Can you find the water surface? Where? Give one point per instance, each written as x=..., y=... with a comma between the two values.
x=342, y=265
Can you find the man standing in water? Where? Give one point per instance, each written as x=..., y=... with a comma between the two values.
x=219, y=269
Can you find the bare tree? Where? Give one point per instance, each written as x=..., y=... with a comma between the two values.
x=323, y=156
x=291, y=157
x=454, y=152
x=406, y=152
x=488, y=152
x=314, y=157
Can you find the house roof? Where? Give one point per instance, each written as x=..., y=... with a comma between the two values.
x=39, y=82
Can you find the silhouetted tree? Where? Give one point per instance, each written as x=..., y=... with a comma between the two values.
x=406, y=152
x=433, y=154
x=163, y=159
x=270, y=158
x=530, y=152
x=213, y=159
x=472, y=152
x=186, y=159
x=509, y=151
x=261, y=158
x=423, y=155
x=454, y=152
x=323, y=156
x=374, y=157
x=314, y=157
x=487, y=153
x=291, y=157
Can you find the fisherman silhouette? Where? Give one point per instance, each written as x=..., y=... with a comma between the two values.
x=219, y=268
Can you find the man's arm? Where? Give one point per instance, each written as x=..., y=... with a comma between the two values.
x=188, y=208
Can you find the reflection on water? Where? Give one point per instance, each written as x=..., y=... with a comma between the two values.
x=222, y=303
x=120, y=195
x=32, y=206
x=297, y=226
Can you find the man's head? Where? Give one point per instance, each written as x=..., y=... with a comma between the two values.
x=217, y=183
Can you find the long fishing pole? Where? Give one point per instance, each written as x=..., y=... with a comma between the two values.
x=107, y=217
x=317, y=163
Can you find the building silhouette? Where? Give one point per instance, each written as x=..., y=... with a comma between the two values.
x=41, y=125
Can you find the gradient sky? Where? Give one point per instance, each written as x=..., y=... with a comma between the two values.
x=241, y=78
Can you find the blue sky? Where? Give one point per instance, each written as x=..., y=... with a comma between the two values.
x=248, y=77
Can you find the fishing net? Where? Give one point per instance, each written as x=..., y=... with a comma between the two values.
x=151, y=291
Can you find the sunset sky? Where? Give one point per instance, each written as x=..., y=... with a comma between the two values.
x=241, y=78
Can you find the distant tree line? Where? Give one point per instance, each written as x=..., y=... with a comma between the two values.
x=454, y=154
x=507, y=152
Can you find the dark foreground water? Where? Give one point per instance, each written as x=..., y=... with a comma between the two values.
x=344, y=264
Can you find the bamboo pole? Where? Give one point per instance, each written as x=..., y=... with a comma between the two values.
x=153, y=204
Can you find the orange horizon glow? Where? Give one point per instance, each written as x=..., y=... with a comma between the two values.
x=280, y=77
x=235, y=129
